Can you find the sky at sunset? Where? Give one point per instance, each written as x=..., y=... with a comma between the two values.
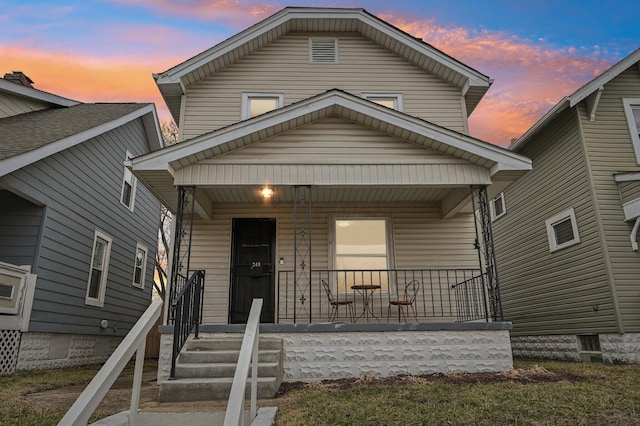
x=536, y=51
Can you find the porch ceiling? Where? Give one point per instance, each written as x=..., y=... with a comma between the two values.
x=284, y=194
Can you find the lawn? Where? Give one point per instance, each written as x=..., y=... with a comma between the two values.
x=536, y=393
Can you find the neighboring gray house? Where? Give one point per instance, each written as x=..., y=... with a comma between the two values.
x=77, y=234
x=566, y=232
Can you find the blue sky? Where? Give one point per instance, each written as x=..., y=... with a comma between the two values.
x=537, y=52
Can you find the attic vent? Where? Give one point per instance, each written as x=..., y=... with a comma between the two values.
x=323, y=50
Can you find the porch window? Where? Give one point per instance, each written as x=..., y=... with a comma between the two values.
x=361, y=246
x=128, y=193
x=498, y=208
x=632, y=113
x=99, y=267
x=254, y=104
x=562, y=230
x=389, y=100
x=140, y=266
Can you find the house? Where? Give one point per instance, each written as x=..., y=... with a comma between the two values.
x=325, y=158
x=78, y=235
x=566, y=233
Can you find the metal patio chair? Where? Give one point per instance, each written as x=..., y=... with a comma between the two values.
x=335, y=304
x=407, y=301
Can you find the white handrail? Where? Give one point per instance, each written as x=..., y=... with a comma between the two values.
x=235, y=407
x=134, y=342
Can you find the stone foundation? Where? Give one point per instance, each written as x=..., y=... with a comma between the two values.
x=616, y=348
x=52, y=350
x=317, y=355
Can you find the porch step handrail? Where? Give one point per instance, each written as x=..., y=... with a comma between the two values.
x=134, y=342
x=248, y=356
x=187, y=314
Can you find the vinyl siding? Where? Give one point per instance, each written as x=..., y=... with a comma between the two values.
x=330, y=152
x=421, y=239
x=283, y=67
x=609, y=149
x=544, y=292
x=11, y=105
x=81, y=188
x=629, y=191
x=20, y=224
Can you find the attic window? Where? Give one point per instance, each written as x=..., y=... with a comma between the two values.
x=389, y=100
x=632, y=113
x=254, y=104
x=323, y=50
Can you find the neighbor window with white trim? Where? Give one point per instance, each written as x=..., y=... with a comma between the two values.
x=254, y=104
x=498, y=207
x=97, y=283
x=632, y=113
x=140, y=266
x=562, y=230
x=361, y=249
x=128, y=193
x=323, y=50
x=390, y=100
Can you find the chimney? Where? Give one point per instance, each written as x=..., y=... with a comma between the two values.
x=18, y=77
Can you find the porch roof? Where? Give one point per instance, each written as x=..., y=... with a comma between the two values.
x=463, y=160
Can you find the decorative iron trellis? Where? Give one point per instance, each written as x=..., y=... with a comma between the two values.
x=181, y=260
x=302, y=251
x=486, y=252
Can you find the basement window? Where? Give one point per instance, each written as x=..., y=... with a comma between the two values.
x=590, y=343
x=323, y=50
x=562, y=230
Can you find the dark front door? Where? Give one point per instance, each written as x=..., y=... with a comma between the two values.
x=252, y=273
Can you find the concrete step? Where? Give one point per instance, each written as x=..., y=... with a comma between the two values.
x=225, y=356
x=229, y=343
x=206, y=389
x=183, y=370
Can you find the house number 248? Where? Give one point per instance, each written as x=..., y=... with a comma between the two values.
x=255, y=265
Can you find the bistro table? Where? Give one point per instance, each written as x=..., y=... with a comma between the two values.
x=366, y=291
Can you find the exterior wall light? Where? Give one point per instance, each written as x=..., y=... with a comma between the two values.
x=266, y=192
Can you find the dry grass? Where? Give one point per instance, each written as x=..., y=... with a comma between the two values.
x=534, y=393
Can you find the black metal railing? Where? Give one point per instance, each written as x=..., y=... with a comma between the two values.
x=372, y=293
x=471, y=299
x=186, y=311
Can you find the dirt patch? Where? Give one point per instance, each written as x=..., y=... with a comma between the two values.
x=531, y=375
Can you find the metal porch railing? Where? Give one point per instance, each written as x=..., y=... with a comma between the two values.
x=186, y=311
x=443, y=294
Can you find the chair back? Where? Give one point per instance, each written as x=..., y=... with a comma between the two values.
x=411, y=291
x=328, y=291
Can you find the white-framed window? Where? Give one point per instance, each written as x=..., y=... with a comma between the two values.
x=254, y=104
x=140, y=265
x=323, y=50
x=632, y=113
x=498, y=207
x=129, y=182
x=390, y=100
x=361, y=244
x=562, y=230
x=98, y=269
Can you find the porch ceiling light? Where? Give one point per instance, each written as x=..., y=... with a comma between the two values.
x=266, y=192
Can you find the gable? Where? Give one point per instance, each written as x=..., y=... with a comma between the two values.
x=333, y=141
x=219, y=96
x=172, y=82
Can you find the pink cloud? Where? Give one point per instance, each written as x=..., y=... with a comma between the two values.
x=235, y=13
x=529, y=78
x=89, y=79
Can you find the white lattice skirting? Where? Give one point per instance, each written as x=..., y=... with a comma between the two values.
x=9, y=349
